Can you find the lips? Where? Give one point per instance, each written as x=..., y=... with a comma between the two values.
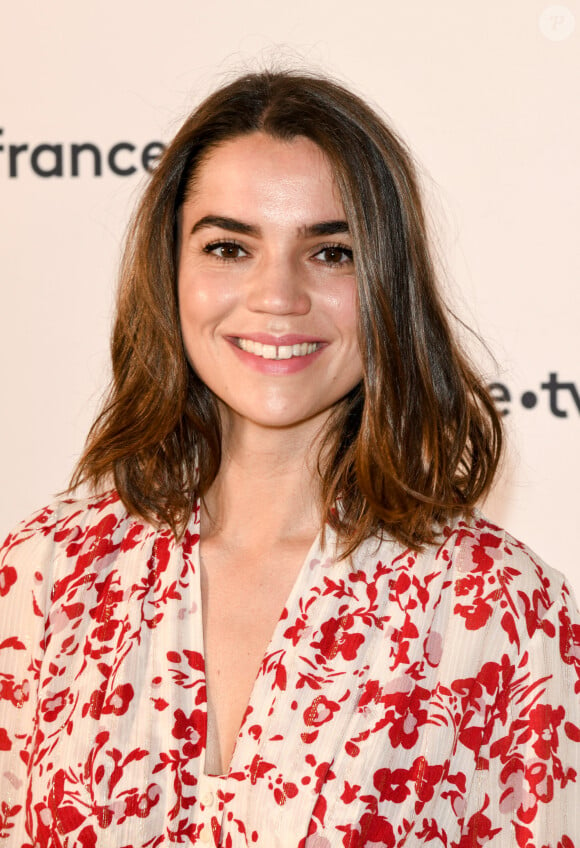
x=277, y=355
x=276, y=352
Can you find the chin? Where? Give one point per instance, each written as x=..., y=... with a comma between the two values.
x=275, y=418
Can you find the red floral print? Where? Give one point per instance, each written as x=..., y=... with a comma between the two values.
x=405, y=698
x=192, y=729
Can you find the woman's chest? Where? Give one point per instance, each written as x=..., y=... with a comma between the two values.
x=243, y=595
x=349, y=722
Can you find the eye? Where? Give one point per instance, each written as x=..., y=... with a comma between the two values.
x=334, y=254
x=226, y=250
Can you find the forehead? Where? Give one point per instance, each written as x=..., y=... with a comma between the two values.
x=257, y=170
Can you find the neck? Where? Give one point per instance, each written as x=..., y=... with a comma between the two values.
x=267, y=490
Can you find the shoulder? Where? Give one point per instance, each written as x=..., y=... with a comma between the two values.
x=65, y=529
x=499, y=581
x=480, y=550
x=66, y=518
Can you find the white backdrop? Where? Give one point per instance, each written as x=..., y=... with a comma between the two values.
x=486, y=94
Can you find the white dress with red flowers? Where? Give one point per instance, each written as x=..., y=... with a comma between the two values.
x=405, y=699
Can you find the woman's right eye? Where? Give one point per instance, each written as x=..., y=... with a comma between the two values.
x=226, y=250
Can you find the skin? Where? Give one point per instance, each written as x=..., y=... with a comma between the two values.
x=265, y=256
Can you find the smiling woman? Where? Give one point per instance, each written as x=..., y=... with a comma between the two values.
x=280, y=620
x=416, y=441
x=273, y=295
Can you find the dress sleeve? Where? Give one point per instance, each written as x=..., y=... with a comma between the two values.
x=25, y=569
x=526, y=792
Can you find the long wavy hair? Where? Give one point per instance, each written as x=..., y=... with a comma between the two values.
x=415, y=443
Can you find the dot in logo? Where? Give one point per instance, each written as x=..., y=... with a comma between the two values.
x=557, y=23
x=529, y=400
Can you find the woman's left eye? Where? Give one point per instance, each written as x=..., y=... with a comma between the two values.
x=334, y=254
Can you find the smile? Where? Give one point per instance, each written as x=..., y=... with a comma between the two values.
x=267, y=351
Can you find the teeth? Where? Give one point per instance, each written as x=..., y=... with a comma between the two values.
x=267, y=351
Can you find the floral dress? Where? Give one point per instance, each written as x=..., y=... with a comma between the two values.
x=405, y=698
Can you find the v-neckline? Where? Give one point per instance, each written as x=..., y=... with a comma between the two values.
x=315, y=552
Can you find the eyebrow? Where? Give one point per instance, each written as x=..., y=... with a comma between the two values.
x=225, y=224
x=326, y=228
x=322, y=228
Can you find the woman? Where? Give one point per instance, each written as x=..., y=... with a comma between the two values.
x=280, y=620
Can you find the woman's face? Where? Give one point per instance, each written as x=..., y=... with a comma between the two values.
x=266, y=285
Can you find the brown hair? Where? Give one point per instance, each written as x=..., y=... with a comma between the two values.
x=416, y=442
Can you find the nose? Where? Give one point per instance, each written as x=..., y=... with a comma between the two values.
x=279, y=287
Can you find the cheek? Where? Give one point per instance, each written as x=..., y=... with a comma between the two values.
x=343, y=305
x=347, y=321
x=203, y=300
